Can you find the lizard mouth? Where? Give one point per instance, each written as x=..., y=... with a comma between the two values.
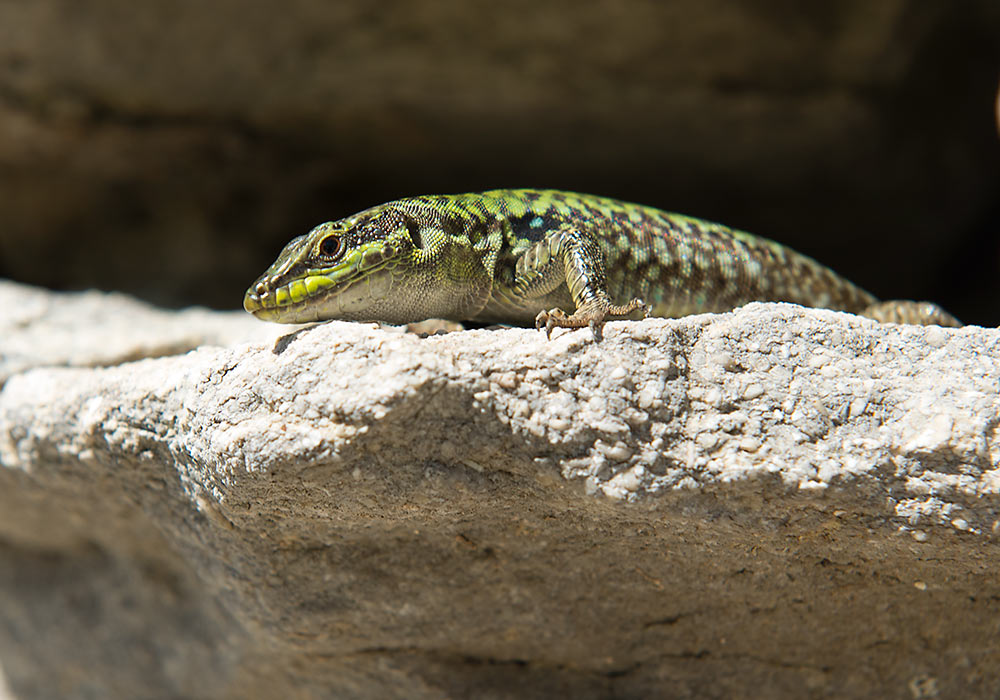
x=343, y=290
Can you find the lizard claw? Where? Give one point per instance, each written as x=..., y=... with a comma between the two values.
x=548, y=320
x=592, y=315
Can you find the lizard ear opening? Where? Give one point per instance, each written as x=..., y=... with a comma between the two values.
x=413, y=228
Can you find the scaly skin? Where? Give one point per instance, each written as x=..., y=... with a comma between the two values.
x=555, y=259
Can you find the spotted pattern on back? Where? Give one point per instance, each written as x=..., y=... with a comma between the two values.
x=677, y=264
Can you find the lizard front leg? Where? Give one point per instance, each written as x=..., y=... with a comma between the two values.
x=570, y=255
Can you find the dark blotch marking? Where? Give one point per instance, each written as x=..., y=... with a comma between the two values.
x=523, y=230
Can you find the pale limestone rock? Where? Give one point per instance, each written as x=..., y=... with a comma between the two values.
x=775, y=500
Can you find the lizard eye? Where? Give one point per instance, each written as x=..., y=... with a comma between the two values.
x=331, y=247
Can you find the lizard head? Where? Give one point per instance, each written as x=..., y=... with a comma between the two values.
x=340, y=270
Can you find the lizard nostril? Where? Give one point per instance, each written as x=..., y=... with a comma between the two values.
x=260, y=289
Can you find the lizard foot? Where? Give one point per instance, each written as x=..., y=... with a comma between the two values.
x=594, y=314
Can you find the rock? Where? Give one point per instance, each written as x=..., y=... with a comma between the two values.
x=776, y=501
x=40, y=328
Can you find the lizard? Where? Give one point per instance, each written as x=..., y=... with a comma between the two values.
x=544, y=257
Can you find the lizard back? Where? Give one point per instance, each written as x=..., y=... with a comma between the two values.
x=677, y=264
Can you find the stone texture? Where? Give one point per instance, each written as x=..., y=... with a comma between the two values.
x=773, y=502
x=93, y=329
x=172, y=151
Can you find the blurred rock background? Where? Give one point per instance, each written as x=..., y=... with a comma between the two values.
x=170, y=148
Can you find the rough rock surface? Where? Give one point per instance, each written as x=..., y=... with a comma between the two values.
x=772, y=502
x=40, y=328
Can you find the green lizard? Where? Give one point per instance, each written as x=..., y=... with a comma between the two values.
x=555, y=259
